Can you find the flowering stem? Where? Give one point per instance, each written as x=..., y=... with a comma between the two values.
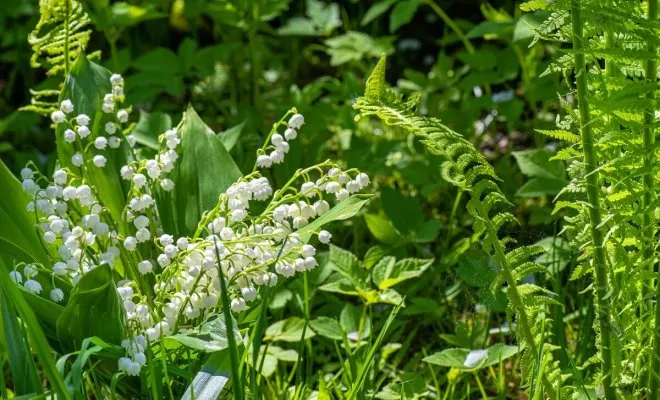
x=593, y=195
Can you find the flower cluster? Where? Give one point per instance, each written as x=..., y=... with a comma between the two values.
x=246, y=249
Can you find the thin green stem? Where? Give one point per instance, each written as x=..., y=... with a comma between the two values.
x=67, y=13
x=593, y=193
x=451, y=24
x=649, y=198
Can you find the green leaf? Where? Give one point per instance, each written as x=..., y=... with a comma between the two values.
x=388, y=273
x=402, y=13
x=355, y=322
x=150, y=126
x=354, y=46
x=345, y=262
x=525, y=26
x=37, y=339
x=325, y=17
x=405, y=212
x=21, y=365
x=457, y=358
x=94, y=295
x=289, y=330
x=383, y=230
x=125, y=15
x=204, y=171
x=327, y=327
x=209, y=337
x=298, y=26
x=536, y=187
x=18, y=233
x=537, y=164
x=344, y=210
x=341, y=285
x=376, y=11
x=428, y=231
x=160, y=59
x=374, y=254
x=211, y=379
x=231, y=135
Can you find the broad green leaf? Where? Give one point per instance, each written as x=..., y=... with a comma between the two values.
x=341, y=285
x=269, y=357
x=404, y=212
x=209, y=382
x=298, y=26
x=536, y=163
x=345, y=262
x=376, y=11
x=37, y=339
x=150, y=126
x=231, y=135
x=94, y=295
x=344, y=210
x=536, y=187
x=160, y=59
x=355, y=321
x=209, y=337
x=327, y=327
x=324, y=16
x=383, y=230
x=203, y=172
x=374, y=254
x=402, y=13
x=18, y=233
x=289, y=330
x=428, y=231
x=21, y=365
x=458, y=358
x=354, y=46
x=387, y=273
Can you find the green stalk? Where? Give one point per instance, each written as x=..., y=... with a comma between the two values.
x=593, y=194
x=648, y=199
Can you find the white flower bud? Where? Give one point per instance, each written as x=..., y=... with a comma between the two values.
x=122, y=115
x=296, y=121
x=99, y=161
x=83, y=131
x=66, y=106
x=324, y=237
x=145, y=267
x=57, y=117
x=77, y=160
x=290, y=134
x=56, y=295
x=82, y=120
x=100, y=143
x=130, y=243
x=69, y=136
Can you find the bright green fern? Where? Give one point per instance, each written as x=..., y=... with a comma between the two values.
x=57, y=40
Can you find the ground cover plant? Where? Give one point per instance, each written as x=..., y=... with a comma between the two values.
x=272, y=199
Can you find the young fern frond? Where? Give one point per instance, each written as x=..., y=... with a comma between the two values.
x=466, y=168
x=612, y=170
x=57, y=40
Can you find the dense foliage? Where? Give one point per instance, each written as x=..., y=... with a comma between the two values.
x=329, y=200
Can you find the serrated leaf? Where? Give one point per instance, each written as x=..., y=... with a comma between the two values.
x=388, y=272
x=560, y=134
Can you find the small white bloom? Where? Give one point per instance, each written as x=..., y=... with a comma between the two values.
x=26, y=173
x=122, y=115
x=130, y=243
x=143, y=235
x=139, y=180
x=50, y=237
x=249, y=293
x=56, y=295
x=141, y=222
x=116, y=79
x=238, y=305
x=57, y=117
x=474, y=358
x=296, y=121
x=108, y=108
x=32, y=286
x=66, y=106
x=167, y=184
x=110, y=128
x=130, y=139
x=16, y=276
x=362, y=179
x=82, y=120
x=100, y=161
x=77, y=160
x=59, y=176
x=69, y=136
x=145, y=267
x=276, y=139
x=163, y=260
x=83, y=131
x=308, y=250
x=114, y=142
x=324, y=237
x=264, y=161
x=100, y=143
x=342, y=194
x=290, y=134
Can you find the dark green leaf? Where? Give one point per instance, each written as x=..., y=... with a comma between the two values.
x=402, y=13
